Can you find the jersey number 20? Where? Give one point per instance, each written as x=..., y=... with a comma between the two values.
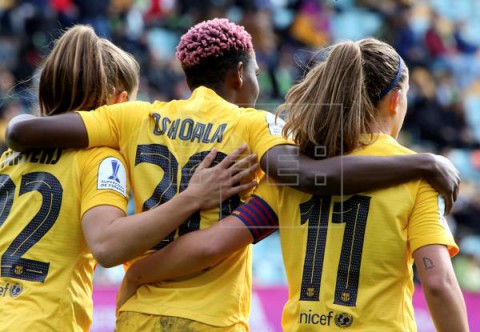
x=159, y=155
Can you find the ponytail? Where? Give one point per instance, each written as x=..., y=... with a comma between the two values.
x=121, y=68
x=327, y=108
x=73, y=75
x=335, y=103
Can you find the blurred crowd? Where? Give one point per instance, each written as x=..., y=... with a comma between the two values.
x=438, y=39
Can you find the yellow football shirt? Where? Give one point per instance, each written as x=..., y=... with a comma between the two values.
x=163, y=143
x=46, y=268
x=349, y=259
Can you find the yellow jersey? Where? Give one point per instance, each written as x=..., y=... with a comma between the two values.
x=163, y=143
x=46, y=267
x=349, y=259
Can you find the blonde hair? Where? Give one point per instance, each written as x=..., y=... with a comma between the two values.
x=83, y=71
x=336, y=102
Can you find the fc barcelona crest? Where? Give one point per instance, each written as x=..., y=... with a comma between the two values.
x=345, y=297
x=18, y=269
x=310, y=291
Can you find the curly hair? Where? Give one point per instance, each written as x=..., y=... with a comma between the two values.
x=210, y=48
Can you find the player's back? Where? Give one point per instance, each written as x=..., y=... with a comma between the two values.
x=46, y=267
x=163, y=144
x=349, y=259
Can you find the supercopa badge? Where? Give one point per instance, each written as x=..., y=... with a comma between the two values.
x=343, y=320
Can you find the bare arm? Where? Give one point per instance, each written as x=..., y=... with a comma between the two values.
x=441, y=289
x=114, y=238
x=192, y=252
x=64, y=131
x=189, y=254
x=353, y=174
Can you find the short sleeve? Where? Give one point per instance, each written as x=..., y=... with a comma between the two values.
x=427, y=224
x=259, y=213
x=106, y=124
x=104, y=179
x=264, y=131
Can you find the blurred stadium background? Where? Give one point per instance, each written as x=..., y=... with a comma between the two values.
x=438, y=39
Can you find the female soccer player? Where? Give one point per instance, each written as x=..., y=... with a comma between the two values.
x=48, y=195
x=348, y=258
x=164, y=141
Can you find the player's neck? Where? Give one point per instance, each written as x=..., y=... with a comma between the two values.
x=227, y=94
x=383, y=126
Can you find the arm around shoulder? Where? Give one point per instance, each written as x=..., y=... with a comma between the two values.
x=342, y=174
x=354, y=174
x=66, y=130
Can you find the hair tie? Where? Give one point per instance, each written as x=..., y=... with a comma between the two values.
x=394, y=82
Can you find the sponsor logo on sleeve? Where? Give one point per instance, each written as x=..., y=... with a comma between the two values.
x=112, y=176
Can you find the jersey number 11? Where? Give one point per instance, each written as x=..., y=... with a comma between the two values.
x=354, y=213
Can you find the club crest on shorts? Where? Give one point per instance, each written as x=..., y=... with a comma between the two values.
x=112, y=176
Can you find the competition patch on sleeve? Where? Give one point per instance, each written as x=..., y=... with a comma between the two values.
x=275, y=125
x=112, y=176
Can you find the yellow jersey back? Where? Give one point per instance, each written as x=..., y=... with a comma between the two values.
x=163, y=143
x=46, y=268
x=349, y=259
